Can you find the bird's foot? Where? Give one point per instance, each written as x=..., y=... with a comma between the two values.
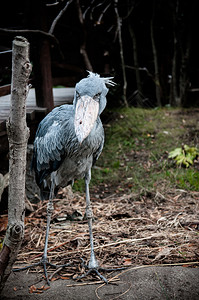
x=93, y=270
x=92, y=267
x=96, y=269
x=43, y=262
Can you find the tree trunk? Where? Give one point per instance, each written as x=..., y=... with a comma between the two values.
x=18, y=134
x=156, y=68
x=174, y=98
x=184, y=79
x=136, y=63
x=119, y=22
x=174, y=88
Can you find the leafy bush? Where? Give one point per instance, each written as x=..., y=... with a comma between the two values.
x=185, y=155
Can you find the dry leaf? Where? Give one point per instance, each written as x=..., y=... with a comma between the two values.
x=46, y=288
x=176, y=197
x=186, y=266
x=64, y=277
x=54, y=278
x=127, y=261
x=163, y=252
x=32, y=289
x=41, y=287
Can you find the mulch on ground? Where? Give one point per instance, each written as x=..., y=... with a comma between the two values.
x=149, y=228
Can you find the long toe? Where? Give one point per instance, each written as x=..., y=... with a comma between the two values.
x=44, y=263
x=93, y=267
x=92, y=271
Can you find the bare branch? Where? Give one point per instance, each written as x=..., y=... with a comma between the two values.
x=52, y=4
x=83, y=46
x=92, y=10
x=87, y=9
x=36, y=32
x=141, y=69
x=103, y=12
x=58, y=17
x=30, y=31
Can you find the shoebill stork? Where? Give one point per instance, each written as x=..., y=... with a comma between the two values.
x=68, y=142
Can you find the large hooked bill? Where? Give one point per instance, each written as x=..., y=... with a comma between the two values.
x=86, y=113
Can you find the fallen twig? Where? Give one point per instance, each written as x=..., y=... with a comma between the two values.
x=91, y=283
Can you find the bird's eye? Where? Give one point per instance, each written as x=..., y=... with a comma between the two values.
x=97, y=97
x=77, y=95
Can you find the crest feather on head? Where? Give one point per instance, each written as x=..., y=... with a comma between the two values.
x=106, y=80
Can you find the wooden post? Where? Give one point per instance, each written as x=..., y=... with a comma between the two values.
x=43, y=76
x=41, y=56
x=18, y=134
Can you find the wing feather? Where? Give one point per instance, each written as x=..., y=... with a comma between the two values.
x=56, y=140
x=52, y=137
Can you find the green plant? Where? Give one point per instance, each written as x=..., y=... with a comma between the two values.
x=184, y=155
x=134, y=156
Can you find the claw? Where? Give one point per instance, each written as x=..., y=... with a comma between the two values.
x=92, y=271
x=43, y=262
x=96, y=270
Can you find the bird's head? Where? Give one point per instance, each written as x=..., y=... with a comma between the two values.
x=89, y=102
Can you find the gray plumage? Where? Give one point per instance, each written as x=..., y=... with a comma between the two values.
x=68, y=142
x=56, y=146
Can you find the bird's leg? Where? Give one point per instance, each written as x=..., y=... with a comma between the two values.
x=50, y=208
x=93, y=265
x=44, y=260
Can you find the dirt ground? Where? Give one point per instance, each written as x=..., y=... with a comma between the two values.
x=154, y=235
x=144, y=283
